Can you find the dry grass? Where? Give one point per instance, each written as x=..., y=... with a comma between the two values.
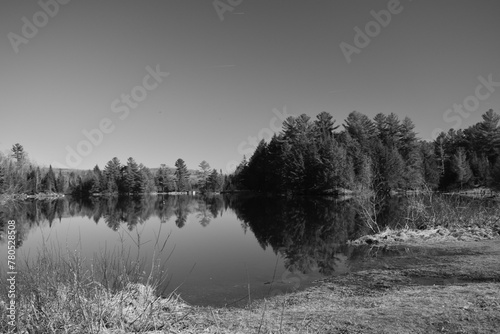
x=335, y=308
x=439, y=234
x=63, y=298
x=431, y=217
x=59, y=294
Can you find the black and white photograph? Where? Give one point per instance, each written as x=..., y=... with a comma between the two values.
x=249, y=166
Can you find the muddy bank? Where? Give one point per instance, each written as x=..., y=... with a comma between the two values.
x=432, y=287
x=432, y=235
x=442, y=287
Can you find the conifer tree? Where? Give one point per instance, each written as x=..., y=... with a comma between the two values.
x=495, y=177
x=360, y=128
x=324, y=126
x=275, y=173
x=204, y=174
x=489, y=130
x=112, y=175
x=161, y=178
x=255, y=173
x=430, y=170
x=213, y=182
x=147, y=183
x=460, y=167
x=49, y=181
x=182, y=175
x=2, y=179
x=61, y=183
x=18, y=153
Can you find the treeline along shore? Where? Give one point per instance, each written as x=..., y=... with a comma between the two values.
x=308, y=157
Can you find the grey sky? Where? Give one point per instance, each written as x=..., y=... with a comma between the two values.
x=226, y=76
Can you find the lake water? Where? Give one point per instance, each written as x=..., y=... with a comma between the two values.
x=213, y=250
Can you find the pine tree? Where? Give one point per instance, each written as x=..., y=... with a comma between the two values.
x=479, y=166
x=182, y=175
x=355, y=156
x=72, y=182
x=393, y=131
x=387, y=167
x=38, y=180
x=334, y=170
x=2, y=179
x=365, y=177
x=294, y=167
x=430, y=170
x=87, y=183
x=18, y=153
x=204, y=174
x=213, y=182
x=30, y=181
x=255, y=173
x=490, y=133
x=299, y=129
x=49, y=181
x=112, y=175
x=380, y=121
x=324, y=125
x=495, y=177
x=170, y=183
x=132, y=181
x=128, y=180
x=61, y=183
x=146, y=184
x=408, y=138
x=361, y=129
x=97, y=180
x=161, y=178
x=275, y=172
x=413, y=177
x=460, y=167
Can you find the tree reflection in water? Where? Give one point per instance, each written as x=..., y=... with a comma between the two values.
x=310, y=233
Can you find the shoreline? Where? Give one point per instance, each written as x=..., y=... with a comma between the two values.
x=449, y=288
x=432, y=282
x=430, y=235
x=4, y=198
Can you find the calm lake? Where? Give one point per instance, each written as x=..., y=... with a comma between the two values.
x=212, y=250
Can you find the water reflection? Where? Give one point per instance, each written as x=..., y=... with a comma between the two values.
x=132, y=211
x=271, y=243
x=307, y=232
x=113, y=211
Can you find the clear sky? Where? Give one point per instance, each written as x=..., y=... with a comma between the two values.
x=228, y=68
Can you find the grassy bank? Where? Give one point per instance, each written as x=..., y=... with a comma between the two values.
x=437, y=272
x=61, y=292
x=437, y=234
x=455, y=292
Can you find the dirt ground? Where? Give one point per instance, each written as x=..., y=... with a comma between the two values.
x=408, y=281
x=418, y=287
x=444, y=287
